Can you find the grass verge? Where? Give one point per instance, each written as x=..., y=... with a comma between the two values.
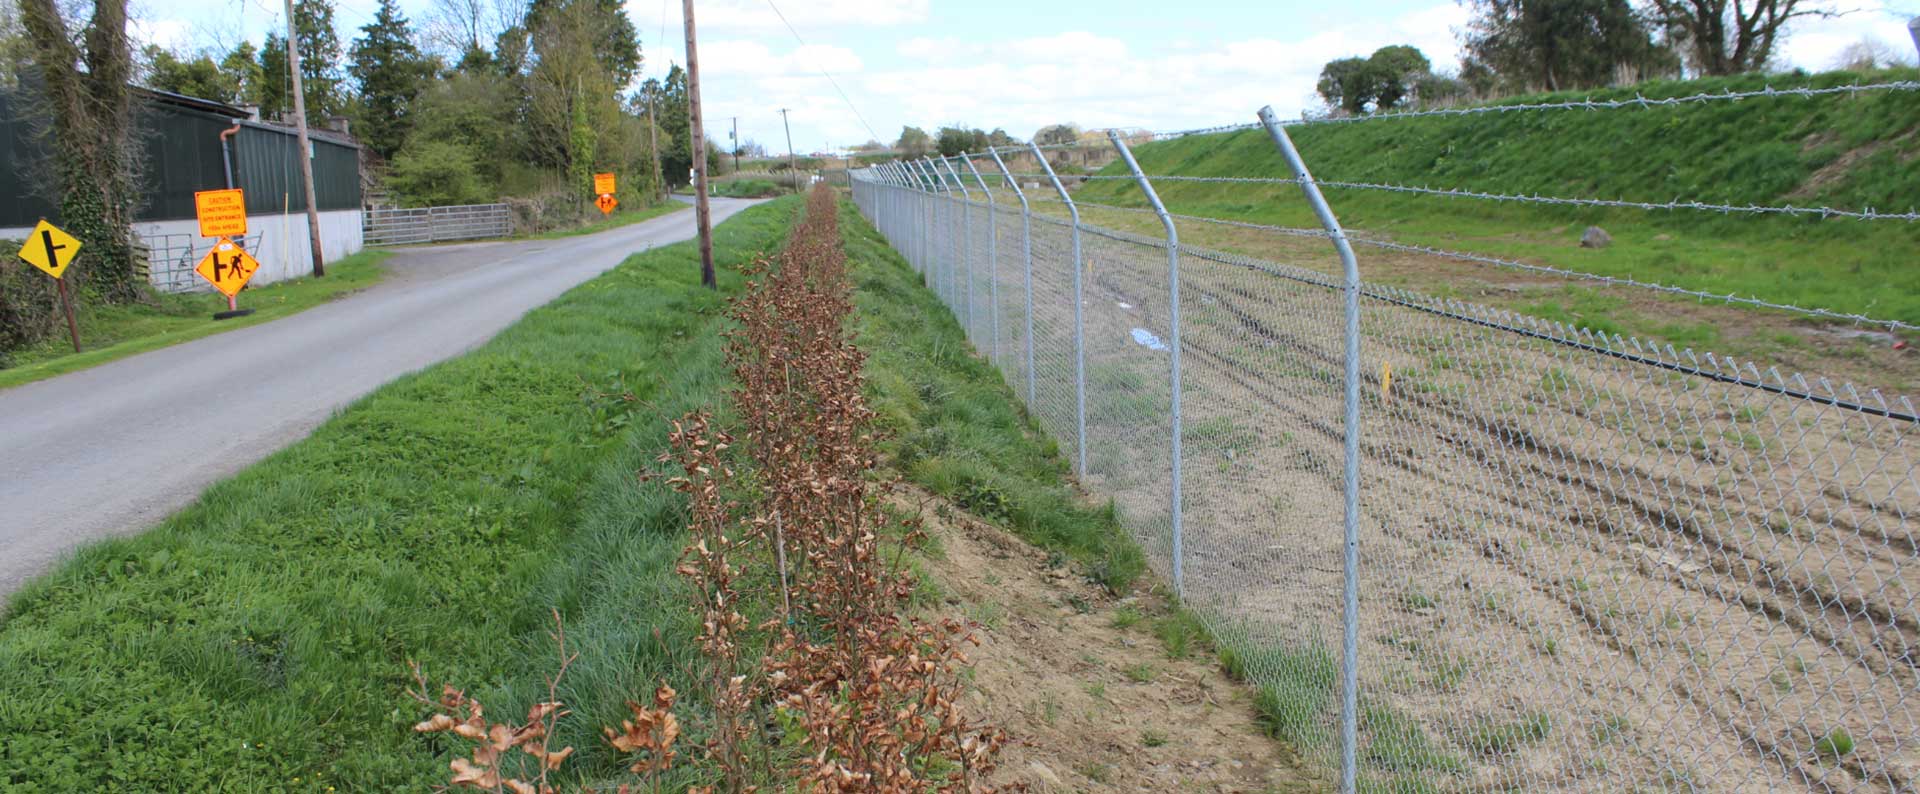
x=258, y=640
x=956, y=428
x=959, y=431
x=618, y=219
x=108, y=333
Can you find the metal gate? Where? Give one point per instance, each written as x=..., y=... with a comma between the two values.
x=436, y=224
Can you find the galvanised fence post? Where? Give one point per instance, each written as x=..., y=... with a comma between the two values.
x=936, y=217
x=924, y=192
x=943, y=217
x=1350, y=622
x=966, y=242
x=1026, y=243
x=1079, y=322
x=993, y=262
x=1173, y=293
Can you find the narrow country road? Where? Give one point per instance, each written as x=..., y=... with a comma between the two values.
x=114, y=449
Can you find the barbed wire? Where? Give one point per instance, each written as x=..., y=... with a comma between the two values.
x=1868, y=214
x=1637, y=102
x=1618, y=281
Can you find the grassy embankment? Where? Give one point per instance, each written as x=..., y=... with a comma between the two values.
x=110, y=332
x=258, y=640
x=1839, y=151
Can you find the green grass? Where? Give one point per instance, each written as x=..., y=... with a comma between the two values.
x=1753, y=151
x=258, y=640
x=746, y=188
x=955, y=428
x=108, y=333
x=619, y=218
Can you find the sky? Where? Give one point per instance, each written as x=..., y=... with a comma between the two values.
x=1012, y=64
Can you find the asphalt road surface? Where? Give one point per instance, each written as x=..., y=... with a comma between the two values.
x=114, y=449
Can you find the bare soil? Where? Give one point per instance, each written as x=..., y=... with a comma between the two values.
x=1092, y=707
x=1580, y=572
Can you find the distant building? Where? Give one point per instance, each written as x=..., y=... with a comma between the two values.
x=187, y=152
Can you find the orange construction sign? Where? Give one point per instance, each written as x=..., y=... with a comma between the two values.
x=222, y=213
x=227, y=267
x=603, y=183
x=606, y=202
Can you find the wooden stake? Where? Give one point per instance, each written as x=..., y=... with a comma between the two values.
x=73, y=329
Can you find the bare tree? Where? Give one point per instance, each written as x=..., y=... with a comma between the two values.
x=1732, y=36
x=454, y=27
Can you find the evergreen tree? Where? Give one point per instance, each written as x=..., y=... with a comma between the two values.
x=274, y=93
x=319, y=57
x=242, y=70
x=676, y=127
x=391, y=73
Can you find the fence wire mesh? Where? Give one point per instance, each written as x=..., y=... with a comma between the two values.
x=1587, y=563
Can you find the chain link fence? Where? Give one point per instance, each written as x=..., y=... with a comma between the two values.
x=1546, y=559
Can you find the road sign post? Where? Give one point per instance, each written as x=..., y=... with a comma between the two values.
x=51, y=249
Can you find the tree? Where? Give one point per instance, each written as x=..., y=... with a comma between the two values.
x=611, y=39
x=670, y=101
x=1055, y=134
x=437, y=173
x=1724, y=37
x=1347, y=83
x=1560, y=44
x=83, y=86
x=999, y=137
x=319, y=56
x=242, y=70
x=913, y=142
x=391, y=73
x=1382, y=81
x=1398, y=68
x=196, y=76
x=955, y=140
x=275, y=94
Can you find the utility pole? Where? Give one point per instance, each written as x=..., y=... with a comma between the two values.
x=306, y=145
x=791, y=165
x=736, y=144
x=653, y=142
x=702, y=214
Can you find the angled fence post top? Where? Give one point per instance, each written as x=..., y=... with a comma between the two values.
x=948, y=162
x=1055, y=179
x=1007, y=174
x=976, y=177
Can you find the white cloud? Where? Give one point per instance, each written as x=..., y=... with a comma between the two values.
x=1100, y=81
x=1815, y=44
x=756, y=16
x=741, y=57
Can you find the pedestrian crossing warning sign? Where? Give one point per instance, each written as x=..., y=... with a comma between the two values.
x=227, y=267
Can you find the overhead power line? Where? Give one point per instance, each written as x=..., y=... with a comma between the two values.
x=824, y=73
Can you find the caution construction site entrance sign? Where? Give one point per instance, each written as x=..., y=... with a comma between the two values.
x=222, y=213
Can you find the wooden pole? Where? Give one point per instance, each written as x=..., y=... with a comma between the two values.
x=73, y=328
x=698, y=134
x=793, y=168
x=653, y=142
x=306, y=145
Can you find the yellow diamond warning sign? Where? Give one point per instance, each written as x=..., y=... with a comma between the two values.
x=603, y=183
x=222, y=213
x=50, y=249
x=227, y=267
x=606, y=202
